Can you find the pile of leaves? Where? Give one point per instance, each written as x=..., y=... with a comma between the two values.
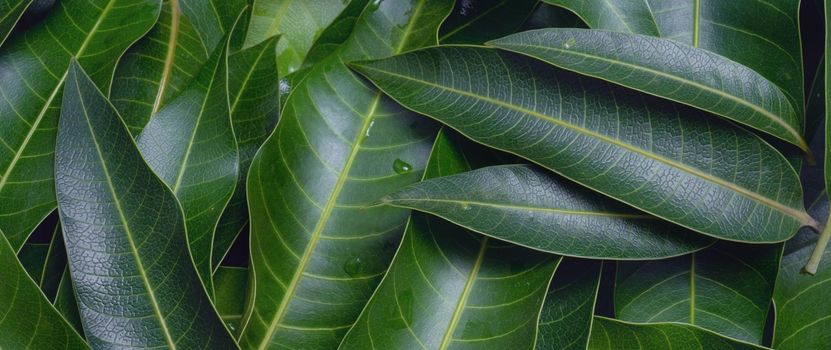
x=405, y=174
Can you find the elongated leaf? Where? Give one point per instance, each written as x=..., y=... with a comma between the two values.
x=651, y=65
x=157, y=67
x=567, y=315
x=33, y=257
x=620, y=143
x=10, y=12
x=477, y=21
x=213, y=19
x=726, y=289
x=54, y=265
x=27, y=319
x=230, y=284
x=125, y=234
x=298, y=22
x=533, y=208
x=331, y=38
x=767, y=42
x=254, y=99
x=33, y=69
x=450, y=288
x=66, y=304
x=340, y=145
x=608, y=334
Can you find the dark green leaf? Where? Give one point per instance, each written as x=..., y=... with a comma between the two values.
x=230, y=284
x=213, y=19
x=477, y=21
x=54, y=266
x=652, y=65
x=125, y=235
x=10, y=12
x=27, y=319
x=335, y=34
x=65, y=302
x=33, y=68
x=33, y=257
x=567, y=315
x=716, y=179
x=340, y=145
x=608, y=334
x=536, y=209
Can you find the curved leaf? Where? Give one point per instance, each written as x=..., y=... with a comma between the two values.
x=230, y=284
x=339, y=146
x=477, y=21
x=533, y=208
x=125, y=235
x=700, y=79
x=725, y=288
x=567, y=315
x=608, y=334
x=767, y=42
x=33, y=68
x=213, y=19
x=335, y=34
x=716, y=179
x=10, y=12
x=27, y=319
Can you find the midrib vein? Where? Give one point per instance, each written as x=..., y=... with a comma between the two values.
x=128, y=232
x=800, y=216
x=247, y=79
x=696, y=21
x=169, y=56
x=321, y=224
x=522, y=207
x=460, y=306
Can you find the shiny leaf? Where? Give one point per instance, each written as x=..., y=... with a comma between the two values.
x=125, y=234
x=567, y=315
x=10, y=12
x=608, y=334
x=331, y=38
x=477, y=21
x=230, y=284
x=716, y=179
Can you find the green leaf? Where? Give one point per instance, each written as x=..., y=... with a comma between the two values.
x=253, y=90
x=10, y=12
x=717, y=179
x=190, y=145
x=652, y=65
x=567, y=315
x=726, y=288
x=608, y=334
x=531, y=207
x=33, y=257
x=33, y=68
x=65, y=302
x=27, y=319
x=767, y=41
x=213, y=19
x=331, y=38
x=340, y=145
x=477, y=21
x=298, y=22
x=54, y=265
x=157, y=67
x=230, y=284
x=125, y=234
x=449, y=288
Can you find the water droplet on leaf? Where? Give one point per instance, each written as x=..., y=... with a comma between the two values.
x=353, y=267
x=401, y=167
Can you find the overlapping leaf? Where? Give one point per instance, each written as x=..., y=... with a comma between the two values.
x=10, y=12
x=567, y=315
x=33, y=68
x=670, y=161
x=317, y=250
x=477, y=21
x=125, y=235
x=608, y=334
x=668, y=69
x=230, y=284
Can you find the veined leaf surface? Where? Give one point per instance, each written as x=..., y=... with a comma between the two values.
x=609, y=334
x=717, y=179
x=667, y=69
x=10, y=12
x=340, y=145
x=125, y=235
x=567, y=315
x=531, y=207
x=33, y=70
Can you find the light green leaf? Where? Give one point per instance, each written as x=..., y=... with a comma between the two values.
x=340, y=145
x=567, y=315
x=531, y=207
x=33, y=68
x=125, y=235
x=477, y=21
x=717, y=179
x=609, y=334
x=10, y=12
x=230, y=284
x=331, y=38
x=652, y=65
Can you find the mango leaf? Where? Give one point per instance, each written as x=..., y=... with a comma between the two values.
x=651, y=65
x=33, y=67
x=10, y=12
x=254, y=98
x=726, y=288
x=230, y=284
x=567, y=315
x=340, y=145
x=477, y=21
x=298, y=22
x=612, y=140
x=609, y=334
x=448, y=287
x=550, y=16
x=33, y=256
x=335, y=34
x=54, y=265
x=767, y=42
x=27, y=319
x=531, y=207
x=65, y=302
x=213, y=19
x=125, y=234
x=157, y=67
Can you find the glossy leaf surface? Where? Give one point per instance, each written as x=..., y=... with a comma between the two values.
x=477, y=21
x=230, y=284
x=10, y=12
x=567, y=315
x=531, y=207
x=125, y=235
x=717, y=179
x=32, y=68
x=667, y=69
x=340, y=145
x=333, y=36
x=190, y=145
x=608, y=334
